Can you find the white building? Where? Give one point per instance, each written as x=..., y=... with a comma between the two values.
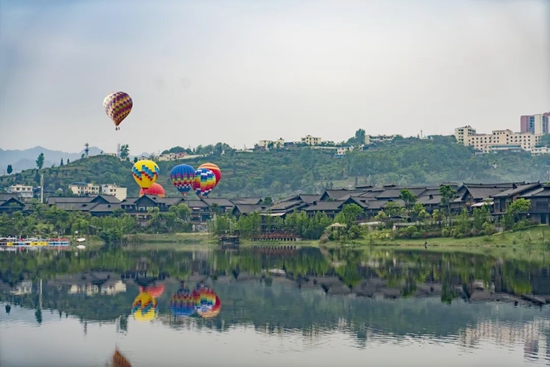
x=270, y=144
x=84, y=189
x=112, y=189
x=172, y=156
x=311, y=140
x=372, y=139
x=500, y=140
x=22, y=191
x=462, y=133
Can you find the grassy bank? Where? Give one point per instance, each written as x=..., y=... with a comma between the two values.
x=174, y=238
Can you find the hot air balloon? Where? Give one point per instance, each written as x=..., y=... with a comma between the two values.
x=183, y=178
x=145, y=307
x=205, y=181
x=183, y=303
x=145, y=173
x=117, y=105
x=155, y=190
x=119, y=360
x=208, y=304
x=215, y=169
x=154, y=290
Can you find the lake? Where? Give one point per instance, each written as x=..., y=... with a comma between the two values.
x=273, y=307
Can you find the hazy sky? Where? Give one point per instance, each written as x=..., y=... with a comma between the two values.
x=239, y=71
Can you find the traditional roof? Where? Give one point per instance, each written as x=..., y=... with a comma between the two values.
x=81, y=207
x=108, y=198
x=310, y=198
x=247, y=201
x=430, y=199
x=395, y=193
x=285, y=205
x=69, y=199
x=337, y=194
x=321, y=206
x=520, y=189
x=248, y=208
x=6, y=197
x=540, y=192
x=195, y=203
x=105, y=208
x=220, y=202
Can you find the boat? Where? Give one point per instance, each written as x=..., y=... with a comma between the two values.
x=13, y=243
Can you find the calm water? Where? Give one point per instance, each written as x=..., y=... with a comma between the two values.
x=297, y=307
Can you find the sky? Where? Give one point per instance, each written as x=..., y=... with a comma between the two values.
x=239, y=71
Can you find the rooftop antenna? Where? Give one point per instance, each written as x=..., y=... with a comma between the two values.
x=87, y=150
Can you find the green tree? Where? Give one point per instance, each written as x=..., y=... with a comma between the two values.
x=267, y=201
x=10, y=169
x=124, y=152
x=447, y=195
x=40, y=161
x=393, y=209
x=515, y=210
x=61, y=163
x=349, y=215
x=409, y=198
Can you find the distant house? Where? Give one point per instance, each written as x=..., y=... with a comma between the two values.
x=504, y=198
x=10, y=203
x=311, y=140
x=246, y=209
x=112, y=189
x=540, y=204
x=22, y=191
x=172, y=156
x=84, y=189
x=469, y=194
x=200, y=211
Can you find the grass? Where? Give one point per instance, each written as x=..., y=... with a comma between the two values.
x=175, y=238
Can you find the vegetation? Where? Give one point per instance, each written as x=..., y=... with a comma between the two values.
x=279, y=172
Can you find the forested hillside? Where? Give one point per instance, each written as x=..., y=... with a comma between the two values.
x=281, y=172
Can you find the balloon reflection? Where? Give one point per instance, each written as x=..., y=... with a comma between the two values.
x=145, y=307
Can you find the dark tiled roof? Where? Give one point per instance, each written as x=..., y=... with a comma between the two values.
x=521, y=189
x=485, y=192
x=325, y=206
x=285, y=205
x=109, y=198
x=84, y=207
x=249, y=208
x=70, y=199
x=195, y=203
x=395, y=193
x=542, y=192
x=6, y=197
x=430, y=200
x=129, y=201
x=171, y=201
x=339, y=193
x=220, y=202
x=105, y=208
x=310, y=198
x=246, y=201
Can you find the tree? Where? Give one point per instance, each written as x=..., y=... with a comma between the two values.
x=68, y=161
x=40, y=161
x=135, y=159
x=392, y=209
x=61, y=163
x=409, y=198
x=515, y=210
x=124, y=152
x=268, y=200
x=349, y=215
x=447, y=194
x=10, y=169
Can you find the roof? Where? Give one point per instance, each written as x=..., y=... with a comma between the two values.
x=83, y=207
x=6, y=197
x=219, y=202
x=285, y=205
x=246, y=201
x=429, y=199
x=105, y=208
x=518, y=190
x=109, y=198
x=484, y=192
x=310, y=198
x=541, y=192
x=171, y=201
x=249, y=208
x=195, y=203
x=339, y=193
x=325, y=206
x=129, y=201
x=69, y=199
x=396, y=192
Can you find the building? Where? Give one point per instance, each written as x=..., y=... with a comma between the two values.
x=84, y=189
x=535, y=124
x=172, y=156
x=270, y=144
x=462, y=134
x=24, y=192
x=373, y=139
x=112, y=189
x=498, y=140
x=311, y=140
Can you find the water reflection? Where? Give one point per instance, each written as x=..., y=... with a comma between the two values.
x=340, y=301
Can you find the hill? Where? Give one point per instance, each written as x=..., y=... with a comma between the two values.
x=281, y=172
x=26, y=159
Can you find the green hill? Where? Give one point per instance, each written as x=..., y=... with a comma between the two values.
x=281, y=172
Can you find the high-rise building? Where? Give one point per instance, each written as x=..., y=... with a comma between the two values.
x=535, y=124
x=462, y=134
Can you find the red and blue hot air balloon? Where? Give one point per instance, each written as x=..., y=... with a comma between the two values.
x=183, y=178
x=205, y=181
x=183, y=303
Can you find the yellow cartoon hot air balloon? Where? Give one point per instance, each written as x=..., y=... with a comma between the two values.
x=145, y=307
x=145, y=173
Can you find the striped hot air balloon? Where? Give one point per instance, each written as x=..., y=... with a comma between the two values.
x=117, y=106
x=183, y=178
x=205, y=181
x=145, y=173
x=155, y=190
x=215, y=169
